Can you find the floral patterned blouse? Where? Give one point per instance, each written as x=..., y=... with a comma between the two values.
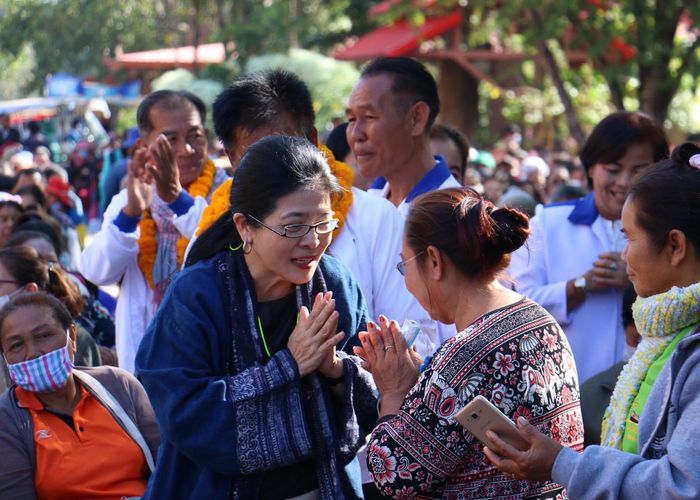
x=518, y=358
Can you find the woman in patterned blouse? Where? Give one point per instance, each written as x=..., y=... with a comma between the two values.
x=509, y=350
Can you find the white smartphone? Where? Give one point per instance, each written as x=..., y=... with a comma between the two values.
x=479, y=416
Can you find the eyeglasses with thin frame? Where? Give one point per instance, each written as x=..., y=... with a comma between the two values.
x=401, y=266
x=8, y=281
x=301, y=230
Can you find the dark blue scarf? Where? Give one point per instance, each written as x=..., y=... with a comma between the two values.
x=275, y=435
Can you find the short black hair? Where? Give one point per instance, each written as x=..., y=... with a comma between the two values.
x=168, y=99
x=615, y=133
x=410, y=80
x=445, y=132
x=337, y=142
x=262, y=98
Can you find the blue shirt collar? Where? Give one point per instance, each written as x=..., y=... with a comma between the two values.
x=430, y=181
x=585, y=211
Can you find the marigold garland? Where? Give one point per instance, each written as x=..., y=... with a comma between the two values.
x=220, y=202
x=148, y=240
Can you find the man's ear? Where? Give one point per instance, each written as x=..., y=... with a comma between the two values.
x=141, y=143
x=418, y=116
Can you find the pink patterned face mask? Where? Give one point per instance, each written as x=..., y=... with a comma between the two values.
x=47, y=373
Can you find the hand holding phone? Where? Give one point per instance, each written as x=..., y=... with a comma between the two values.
x=479, y=416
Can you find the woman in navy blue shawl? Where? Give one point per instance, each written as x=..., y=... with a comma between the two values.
x=236, y=416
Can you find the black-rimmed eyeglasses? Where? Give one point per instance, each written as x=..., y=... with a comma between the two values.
x=401, y=266
x=301, y=230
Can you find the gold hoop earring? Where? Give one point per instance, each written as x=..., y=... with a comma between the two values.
x=247, y=247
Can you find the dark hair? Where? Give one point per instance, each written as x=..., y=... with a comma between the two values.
x=33, y=127
x=475, y=235
x=50, y=227
x=37, y=299
x=615, y=133
x=168, y=99
x=444, y=132
x=411, y=81
x=666, y=196
x=567, y=192
x=35, y=192
x=7, y=183
x=28, y=171
x=25, y=266
x=19, y=238
x=13, y=204
x=260, y=99
x=628, y=298
x=337, y=142
x=270, y=169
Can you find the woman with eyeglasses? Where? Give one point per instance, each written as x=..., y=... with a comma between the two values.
x=509, y=350
x=67, y=432
x=242, y=362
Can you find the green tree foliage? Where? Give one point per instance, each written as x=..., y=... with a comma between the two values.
x=75, y=35
x=640, y=52
x=272, y=26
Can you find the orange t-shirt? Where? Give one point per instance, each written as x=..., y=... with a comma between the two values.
x=97, y=459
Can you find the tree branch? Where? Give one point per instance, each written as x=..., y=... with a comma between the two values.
x=555, y=72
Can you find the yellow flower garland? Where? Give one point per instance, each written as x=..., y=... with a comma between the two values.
x=148, y=240
x=221, y=204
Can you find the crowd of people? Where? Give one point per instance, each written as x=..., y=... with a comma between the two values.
x=308, y=322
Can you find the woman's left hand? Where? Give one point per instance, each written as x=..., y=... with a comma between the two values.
x=534, y=464
x=393, y=368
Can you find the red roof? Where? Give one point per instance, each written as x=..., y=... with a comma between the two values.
x=177, y=57
x=398, y=39
x=387, y=5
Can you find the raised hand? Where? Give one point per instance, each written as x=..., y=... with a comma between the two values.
x=313, y=341
x=393, y=365
x=139, y=187
x=610, y=271
x=163, y=169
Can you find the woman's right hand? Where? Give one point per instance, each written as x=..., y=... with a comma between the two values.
x=534, y=464
x=315, y=335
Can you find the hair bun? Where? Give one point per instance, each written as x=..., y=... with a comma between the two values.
x=511, y=229
x=687, y=153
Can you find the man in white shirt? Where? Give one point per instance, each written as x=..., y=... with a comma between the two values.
x=390, y=113
x=147, y=225
x=278, y=102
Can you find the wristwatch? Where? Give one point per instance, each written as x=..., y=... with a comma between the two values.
x=580, y=284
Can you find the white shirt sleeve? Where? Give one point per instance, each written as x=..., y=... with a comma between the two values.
x=105, y=260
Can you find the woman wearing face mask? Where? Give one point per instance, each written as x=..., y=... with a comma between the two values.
x=651, y=430
x=65, y=432
x=21, y=269
x=240, y=361
x=571, y=264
